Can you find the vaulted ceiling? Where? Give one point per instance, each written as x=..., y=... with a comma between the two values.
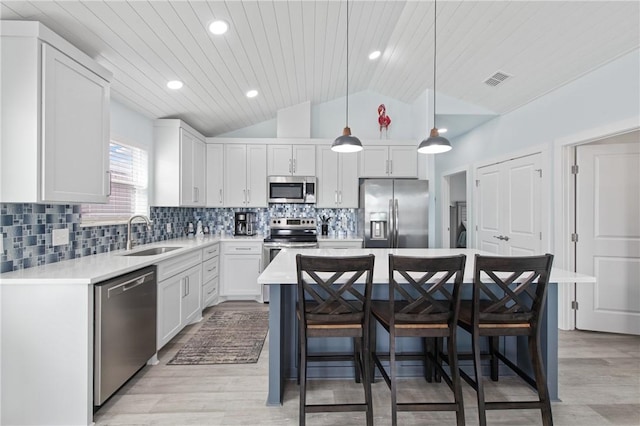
x=294, y=51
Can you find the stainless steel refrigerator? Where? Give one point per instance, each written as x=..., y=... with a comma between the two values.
x=394, y=213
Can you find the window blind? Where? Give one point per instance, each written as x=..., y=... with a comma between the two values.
x=129, y=167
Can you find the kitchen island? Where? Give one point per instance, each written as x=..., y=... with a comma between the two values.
x=280, y=275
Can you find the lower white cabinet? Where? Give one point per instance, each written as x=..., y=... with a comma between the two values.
x=241, y=265
x=179, y=294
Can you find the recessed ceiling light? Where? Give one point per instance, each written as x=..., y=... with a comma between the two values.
x=218, y=27
x=374, y=55
x=442, y=130
x=252, y=93
x=174, y=84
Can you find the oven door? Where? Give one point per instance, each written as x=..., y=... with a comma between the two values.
x=285, y=189
x=269, y=252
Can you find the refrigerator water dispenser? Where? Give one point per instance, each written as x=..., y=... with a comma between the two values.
x=378, y=223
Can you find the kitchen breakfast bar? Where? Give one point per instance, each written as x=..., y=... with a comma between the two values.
x=280, y=275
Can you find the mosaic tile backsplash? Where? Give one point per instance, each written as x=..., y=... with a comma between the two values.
x=26, y=229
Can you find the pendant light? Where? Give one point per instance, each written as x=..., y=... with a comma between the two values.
x=346, y=142
x=435, y=144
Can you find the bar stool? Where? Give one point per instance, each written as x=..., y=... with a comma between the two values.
x=332, y=304
x=422, y=304
x=509, y=294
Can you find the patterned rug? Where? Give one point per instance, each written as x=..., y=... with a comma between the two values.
x=227, y=337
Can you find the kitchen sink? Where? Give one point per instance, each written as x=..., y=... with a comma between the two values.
x=152, y=251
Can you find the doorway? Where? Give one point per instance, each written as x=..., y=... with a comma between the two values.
x=454, y=210
x=607, y=233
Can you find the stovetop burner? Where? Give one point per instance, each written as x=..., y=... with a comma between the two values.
x=294, y=230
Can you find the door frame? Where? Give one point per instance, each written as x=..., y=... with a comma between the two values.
x=564, y=206
x=545, y=188
x=445, y=195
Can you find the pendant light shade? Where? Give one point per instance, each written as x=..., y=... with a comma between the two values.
x=434, y=144
x=347, y=142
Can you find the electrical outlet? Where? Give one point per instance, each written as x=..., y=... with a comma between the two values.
x=60, y=237
x=168, y=228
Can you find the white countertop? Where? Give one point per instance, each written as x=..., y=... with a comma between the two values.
x=282, y=269
x=96, y=268
x=336, y=238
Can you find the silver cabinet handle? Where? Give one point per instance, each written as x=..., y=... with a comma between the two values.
x=386, y=166
x=244, y=196
x=248, y=196
x=336, y=196
x=109, y=192
x=294, y=165
x=391, y=167
x=220, y=195
x=243, y=248
x=290, y=170
x=339, y=197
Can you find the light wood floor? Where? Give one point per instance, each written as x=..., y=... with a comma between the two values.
x=599, y=385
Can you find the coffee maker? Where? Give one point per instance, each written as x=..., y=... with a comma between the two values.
x=245, y=223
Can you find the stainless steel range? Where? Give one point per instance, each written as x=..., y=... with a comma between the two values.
x=299, y=232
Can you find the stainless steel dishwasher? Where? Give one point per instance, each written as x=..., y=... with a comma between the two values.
x=125, y=329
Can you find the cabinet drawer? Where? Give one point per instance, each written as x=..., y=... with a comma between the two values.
x=210, y=269
x=172, y=266
x=242, y=248
x=210, y=291
x=211, y=251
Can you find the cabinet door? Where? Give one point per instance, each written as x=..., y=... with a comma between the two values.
x=187, y=184
x=191, y=292
x=256, y=176
x=215, y=175
x=280, y=161
x=76, y=126
x=403, y=161
x=374, y=161
x=169, y=309
x=240, y=275
x=304, y=160
x=235, y=175
x=348, y=180
x=199, y=166
x=327, y=177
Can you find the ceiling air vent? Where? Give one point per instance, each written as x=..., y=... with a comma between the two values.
x=497, y=78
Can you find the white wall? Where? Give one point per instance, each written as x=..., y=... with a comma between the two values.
x=606, y=95
x=458, y=187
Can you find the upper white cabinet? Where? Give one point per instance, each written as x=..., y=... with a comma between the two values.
x=180, y=162
x=389, y=161
x=337, y=178
x=55, y=119
x=245, y=175
x=215, y=175
x=291, y=160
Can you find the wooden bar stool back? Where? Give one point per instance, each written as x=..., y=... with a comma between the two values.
x=509, y=294
x=424, y=298
x=334, y=300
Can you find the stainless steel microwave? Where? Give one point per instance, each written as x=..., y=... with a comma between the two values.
x=292, y=189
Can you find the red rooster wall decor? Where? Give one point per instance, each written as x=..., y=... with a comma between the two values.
x=383, y=119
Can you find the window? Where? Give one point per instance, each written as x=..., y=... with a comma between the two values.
x=129, y=186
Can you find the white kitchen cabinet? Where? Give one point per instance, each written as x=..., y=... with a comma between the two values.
x=179, y=294
x=241, y=266
x=210, y=275
x=389, y=161
x=291, y=160
x=55, y=119
x=215, y=175
x=245, y=175
x=337, y=178
x=180, y=163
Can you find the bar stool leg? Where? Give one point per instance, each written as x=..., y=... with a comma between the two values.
x=392, y=368
x=357, y=348
x=493, y=347
x=477, y=366
x=541, y=380
x=302, y=376
x=455, y=379
x=365, y=353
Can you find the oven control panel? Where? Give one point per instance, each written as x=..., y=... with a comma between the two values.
x=293, y=223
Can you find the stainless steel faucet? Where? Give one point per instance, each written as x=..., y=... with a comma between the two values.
x=146, y=219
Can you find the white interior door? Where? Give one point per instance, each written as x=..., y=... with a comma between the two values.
x=509, y=207
x=608, y=228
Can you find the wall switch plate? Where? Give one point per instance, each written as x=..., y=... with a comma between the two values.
x=60, y=237
x=168, y=228
x=1, y=245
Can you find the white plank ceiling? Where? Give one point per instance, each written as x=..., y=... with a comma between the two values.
x=294, y=51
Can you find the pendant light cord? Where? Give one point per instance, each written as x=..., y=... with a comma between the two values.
x=435, y=44
x=347, y=115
